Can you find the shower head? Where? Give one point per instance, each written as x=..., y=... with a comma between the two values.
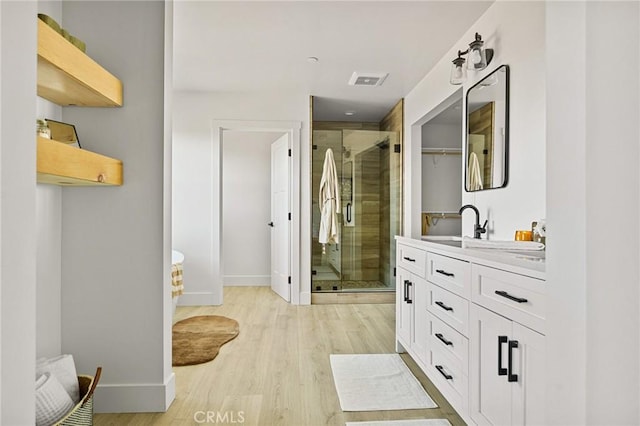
x=383, y=144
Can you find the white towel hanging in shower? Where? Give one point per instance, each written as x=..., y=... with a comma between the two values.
x=328, y=199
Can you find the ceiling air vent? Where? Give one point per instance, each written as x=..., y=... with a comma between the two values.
x=367, y=78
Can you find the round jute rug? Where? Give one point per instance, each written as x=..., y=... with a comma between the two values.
x=198, y=339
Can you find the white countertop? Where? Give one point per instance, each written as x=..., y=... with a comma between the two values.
x=525, y=262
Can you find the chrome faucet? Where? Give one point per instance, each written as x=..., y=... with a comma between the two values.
x=477, y=229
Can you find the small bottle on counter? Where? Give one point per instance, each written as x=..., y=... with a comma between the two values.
x=538, y=230
x=42, y=129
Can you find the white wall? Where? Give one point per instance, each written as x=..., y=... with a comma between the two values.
x=49, y=237
x=593, y=184
x=115, y=268
x=441, y=176
x=17, y=212
x=246, y=204
x=441, y=135
x=193, y=176
x=516, y=31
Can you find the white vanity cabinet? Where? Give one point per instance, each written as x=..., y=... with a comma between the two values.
x=411, y=301
x=473, y=320
x=507, y=348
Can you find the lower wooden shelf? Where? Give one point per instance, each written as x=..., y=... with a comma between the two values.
x=61, y=164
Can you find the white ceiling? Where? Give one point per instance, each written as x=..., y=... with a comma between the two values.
x=262, y=47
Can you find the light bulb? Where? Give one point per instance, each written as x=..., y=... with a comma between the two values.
x=475, y=57
x=458, y=72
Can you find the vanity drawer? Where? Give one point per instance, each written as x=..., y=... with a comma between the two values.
x=449, y=378
x=447, y=340
x=517, y=297
x=412, y=259
x=449, y=273
x=450, y=308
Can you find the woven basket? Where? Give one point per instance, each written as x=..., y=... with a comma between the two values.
x=82, y=413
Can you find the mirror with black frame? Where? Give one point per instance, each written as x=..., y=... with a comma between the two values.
x=487, y=144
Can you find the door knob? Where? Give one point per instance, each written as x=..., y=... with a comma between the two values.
x=270, y=224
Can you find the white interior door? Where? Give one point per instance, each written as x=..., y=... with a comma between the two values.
x=280, y=224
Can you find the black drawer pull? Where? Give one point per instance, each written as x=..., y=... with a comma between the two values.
x=441, y=370
x=443, y=306
x=443, y=340
x=443, y=272
x=510, y=297
x=406, y=283
x=501, y=340
x=512, y=377
x=409, y=259
x=409, y=285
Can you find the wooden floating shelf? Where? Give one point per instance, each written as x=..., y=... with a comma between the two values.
x=62, y=164
x=67, y=76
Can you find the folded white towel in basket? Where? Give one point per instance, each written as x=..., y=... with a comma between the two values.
x=64, y=369
x=469, y=242
x=52, y=400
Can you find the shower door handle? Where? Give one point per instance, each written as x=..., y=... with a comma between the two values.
x=348, y=212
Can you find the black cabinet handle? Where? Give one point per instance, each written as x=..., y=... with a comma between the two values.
x=443, y=272
x=409, y=259
x=409, y=285
x=501, y=340
x=512, y=377
x=441, y=370
x=443, y=306
x=270, y=224
x=510, y=297
x=406, y=282
x=443, y=340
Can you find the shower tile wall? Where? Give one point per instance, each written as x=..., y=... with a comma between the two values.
x=385, y=214
x=393, y=123
x=367, y=190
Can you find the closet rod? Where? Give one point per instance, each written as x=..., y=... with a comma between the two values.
x=443, y=215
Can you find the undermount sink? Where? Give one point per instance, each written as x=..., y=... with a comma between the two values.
x=441, y=238
x=450, y=240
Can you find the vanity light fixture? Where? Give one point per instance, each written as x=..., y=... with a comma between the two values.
x=478, y=58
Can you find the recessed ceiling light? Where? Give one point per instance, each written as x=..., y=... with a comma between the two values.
x=312, y=59
x=349, y=113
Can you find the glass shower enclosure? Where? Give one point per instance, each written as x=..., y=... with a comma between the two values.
x=369, y=170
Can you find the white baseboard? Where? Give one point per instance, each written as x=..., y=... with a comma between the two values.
x=305, y=298
x=247, y=280
x=135, y=398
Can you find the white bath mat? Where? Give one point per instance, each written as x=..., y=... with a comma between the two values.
x=413, y=422
x=377, y=382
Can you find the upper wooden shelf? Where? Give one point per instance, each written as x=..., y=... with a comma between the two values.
x=62, y=164
x=67, y=76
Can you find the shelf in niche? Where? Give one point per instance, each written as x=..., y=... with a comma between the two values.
x=68, y=76
x=61, y=164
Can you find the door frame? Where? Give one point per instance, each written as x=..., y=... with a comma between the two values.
x=292, y=128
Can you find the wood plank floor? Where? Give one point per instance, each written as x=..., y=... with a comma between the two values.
x=277, y=371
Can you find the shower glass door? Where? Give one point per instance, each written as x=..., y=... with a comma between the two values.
x=369, y=170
